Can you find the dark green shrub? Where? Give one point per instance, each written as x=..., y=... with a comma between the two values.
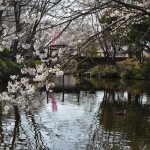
x=8, y=68
x=5, y=53
x=146, y=70
x=83, y=65
x=137, y=72
x=13, y=67
x=110, y=71
x=105, y=71
x=95, y=70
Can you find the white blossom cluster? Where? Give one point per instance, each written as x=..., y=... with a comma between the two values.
x=27, y=18
x=19, y=59
x=3, y=5
x=21, y=91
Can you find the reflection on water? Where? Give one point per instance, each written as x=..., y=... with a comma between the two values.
x=114, y=117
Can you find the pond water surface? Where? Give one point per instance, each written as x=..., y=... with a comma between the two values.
x=93, y=115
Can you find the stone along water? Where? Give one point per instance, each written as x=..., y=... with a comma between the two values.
x=100, y=115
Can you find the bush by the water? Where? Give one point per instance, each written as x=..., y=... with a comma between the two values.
x=107, y=71
x=130, y=70
x=134, y=70
x=142, y=71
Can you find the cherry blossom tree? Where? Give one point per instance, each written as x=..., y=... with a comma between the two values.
x=27, y=28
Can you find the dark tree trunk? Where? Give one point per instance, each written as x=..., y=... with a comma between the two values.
x=1, y=30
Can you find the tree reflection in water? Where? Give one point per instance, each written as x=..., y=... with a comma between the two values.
x=15, y=135
x=130, y=130
x=106, y=130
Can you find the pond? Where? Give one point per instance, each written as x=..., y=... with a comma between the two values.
x=91, y=115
